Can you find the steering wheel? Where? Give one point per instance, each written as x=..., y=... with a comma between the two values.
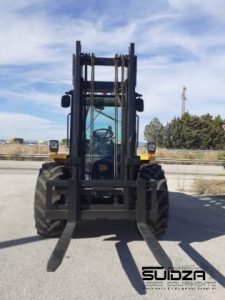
x=103, y=133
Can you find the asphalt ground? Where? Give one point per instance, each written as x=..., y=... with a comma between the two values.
x=105, y=259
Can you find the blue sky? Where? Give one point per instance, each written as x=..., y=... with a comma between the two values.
x=178, y=43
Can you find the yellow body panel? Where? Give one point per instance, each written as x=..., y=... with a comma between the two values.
x=147, y=157
x=62, y=156
x=59, y=157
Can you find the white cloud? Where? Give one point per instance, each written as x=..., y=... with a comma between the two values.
x=36, y=39
x=50, y=100
x=163, y=86
x=43, y=43
x=29, y=127
x=214, y=8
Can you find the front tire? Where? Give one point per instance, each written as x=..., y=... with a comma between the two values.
x=44, y=226
x=155, y=172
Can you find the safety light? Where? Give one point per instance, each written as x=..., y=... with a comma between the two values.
x=151, y=147
x=53, y=145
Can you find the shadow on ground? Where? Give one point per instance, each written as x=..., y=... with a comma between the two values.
x=192, y=219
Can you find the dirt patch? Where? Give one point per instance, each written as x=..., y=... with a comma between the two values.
x=27, y=149
x=189, y=154
x=210, y=187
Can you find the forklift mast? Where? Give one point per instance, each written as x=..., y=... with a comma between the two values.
x=89, y=101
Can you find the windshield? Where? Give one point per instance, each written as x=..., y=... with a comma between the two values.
x=103, y=141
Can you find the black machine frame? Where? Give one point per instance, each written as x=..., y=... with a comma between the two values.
x=132, y=187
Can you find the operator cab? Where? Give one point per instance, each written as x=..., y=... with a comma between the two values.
x=103, y=140
x=103, y=168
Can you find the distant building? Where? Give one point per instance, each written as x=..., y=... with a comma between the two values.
x=14, y=141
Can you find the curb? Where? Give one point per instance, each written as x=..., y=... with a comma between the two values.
x=45, y=157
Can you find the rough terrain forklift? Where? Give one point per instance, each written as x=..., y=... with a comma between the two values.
x=102, y=176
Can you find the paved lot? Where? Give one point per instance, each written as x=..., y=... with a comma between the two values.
x=104, y=260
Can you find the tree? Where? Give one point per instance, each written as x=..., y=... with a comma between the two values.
x=194, y=132
x=188, y=132
x=64, y=141
x=218, y=135
x=153, y=132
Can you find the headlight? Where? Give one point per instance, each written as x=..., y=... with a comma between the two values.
x=53, y=145
x=151, y=147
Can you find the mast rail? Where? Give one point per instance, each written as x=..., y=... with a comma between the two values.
x=103, y=61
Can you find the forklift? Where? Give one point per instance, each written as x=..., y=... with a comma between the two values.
x=101, y=177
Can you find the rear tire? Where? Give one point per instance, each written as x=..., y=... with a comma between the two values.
x=44, y=226
x=155, y=172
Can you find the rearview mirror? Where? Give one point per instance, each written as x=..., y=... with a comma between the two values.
x=139, y=105
x=65, y=101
